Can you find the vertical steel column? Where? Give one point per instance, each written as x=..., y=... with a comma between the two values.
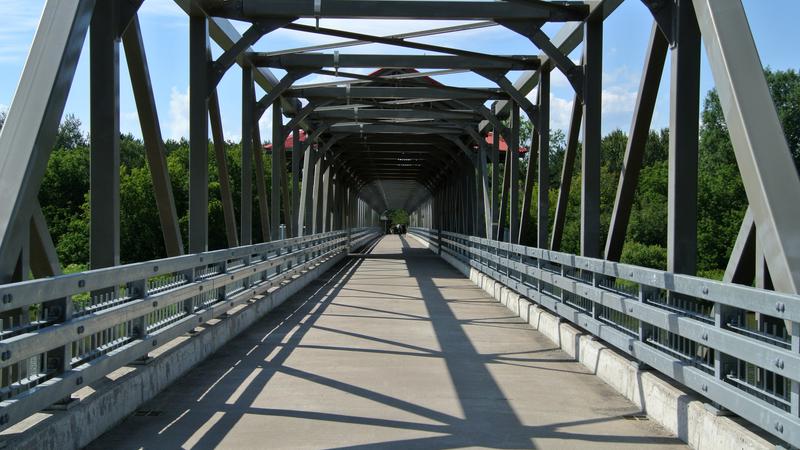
x=327, y=201
x=683, y=141
x=198, y=133
x=319, y=190
x=248, y=120
x=306, y=215
x=277, y=166
x=104, y=43
x=297, y=156
x=486, y=193
x=513, y=150
x=261, y=184
x=501, y=221
x=543, y=202
x=495, y=158
x=592, y=114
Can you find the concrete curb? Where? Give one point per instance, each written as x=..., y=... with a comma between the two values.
x=680, y=412
x=120, y=394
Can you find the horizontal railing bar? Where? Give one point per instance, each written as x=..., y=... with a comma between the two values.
x=750, y=401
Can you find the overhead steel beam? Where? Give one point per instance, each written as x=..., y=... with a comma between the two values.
x=229, y=55
x=566, y=40
x=397, y=9
x=400, y=36
x=319, y=60
x=388, y=92
x=226, y=36
x=765, y=162
x=376, y=113
x=399, y=42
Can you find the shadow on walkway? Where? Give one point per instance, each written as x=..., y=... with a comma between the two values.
x=418, y=358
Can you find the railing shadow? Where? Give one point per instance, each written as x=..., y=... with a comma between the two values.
x=230, y=390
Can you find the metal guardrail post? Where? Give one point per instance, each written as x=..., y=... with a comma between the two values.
x=439, y=242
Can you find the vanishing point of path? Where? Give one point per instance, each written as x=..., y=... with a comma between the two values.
x=392, y=349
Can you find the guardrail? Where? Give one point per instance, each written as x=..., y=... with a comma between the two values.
x=59, y=334
x=735, y=345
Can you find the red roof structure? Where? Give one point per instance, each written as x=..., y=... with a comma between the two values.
x=288, y=144
x=503, y=144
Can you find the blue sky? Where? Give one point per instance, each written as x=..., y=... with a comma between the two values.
x=165, y=31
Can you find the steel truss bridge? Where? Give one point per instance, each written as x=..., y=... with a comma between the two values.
x=398, y=139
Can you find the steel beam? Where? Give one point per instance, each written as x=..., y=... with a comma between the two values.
x=592, y=136
x=741, y=266
x=388, y=92
x=261, y=185
x=29, y=132
x=320, y=60
x=637, y=140
x=566, y=40
x=513, y=196
x=151, y=134
x=246, y=188
x=43, y=256
x=683, y=142
x=198, y=133
x=297, y=156
x=104, y=223
x=277, y=168
x=398, y=9
x=768, y=172
x=226, y=195
x=567, y=168
x=543, y=201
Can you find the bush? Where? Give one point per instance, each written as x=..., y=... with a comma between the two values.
x=652, y=256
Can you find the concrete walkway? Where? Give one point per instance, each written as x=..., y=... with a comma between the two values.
x=394, y=349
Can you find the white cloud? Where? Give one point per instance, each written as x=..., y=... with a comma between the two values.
x=178, y=113
x=560, y=112
x=161, y=8
x=617, y=100
x=129, y=123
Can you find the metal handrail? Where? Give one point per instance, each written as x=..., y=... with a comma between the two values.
x=48, y=350
x=653, y=317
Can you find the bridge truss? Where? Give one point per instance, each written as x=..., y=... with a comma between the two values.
x=395, y=138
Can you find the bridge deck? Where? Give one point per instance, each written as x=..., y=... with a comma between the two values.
x=392, y=349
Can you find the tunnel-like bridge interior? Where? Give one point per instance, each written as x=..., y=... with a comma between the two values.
x=349, y=338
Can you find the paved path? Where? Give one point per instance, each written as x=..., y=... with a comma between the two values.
x=394, y=349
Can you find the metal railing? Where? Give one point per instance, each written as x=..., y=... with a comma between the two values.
x=59, y=334
x=736, y=345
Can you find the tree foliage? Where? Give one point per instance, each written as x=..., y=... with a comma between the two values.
x=64, y=193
